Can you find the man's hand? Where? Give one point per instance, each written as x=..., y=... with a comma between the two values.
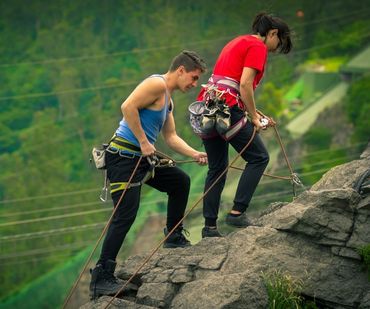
x=147, y=149
x=201, y=158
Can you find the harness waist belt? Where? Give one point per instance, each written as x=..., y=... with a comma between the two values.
x=118, y=141
x=235, y=129
x=225, y=81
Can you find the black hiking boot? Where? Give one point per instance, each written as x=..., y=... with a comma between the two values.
x=176, y=239
x=103, y=281
x=238, y=221
x=211, y=232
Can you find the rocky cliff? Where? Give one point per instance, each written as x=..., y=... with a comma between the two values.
x=314, y=239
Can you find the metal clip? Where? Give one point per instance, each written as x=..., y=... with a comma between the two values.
x=104, y=192
x=167, y=162
x=296, y=180
x=153, y=162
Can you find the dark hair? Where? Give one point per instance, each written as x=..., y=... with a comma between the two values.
x=190, y=60
x=264, y=22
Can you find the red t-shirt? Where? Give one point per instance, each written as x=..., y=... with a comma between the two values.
x=243, y=51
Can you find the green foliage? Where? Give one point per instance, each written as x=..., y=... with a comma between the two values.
x=58, y=282
x=284, y=291
x=317, y=138
x=364, y=252
x=319, y=155
x=270, y=101
x=357, y=107
x=346, y=38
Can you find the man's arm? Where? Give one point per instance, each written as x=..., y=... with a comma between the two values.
x=176, y=143
x=144, y=95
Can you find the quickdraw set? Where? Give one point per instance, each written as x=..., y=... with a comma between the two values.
x=212, y=117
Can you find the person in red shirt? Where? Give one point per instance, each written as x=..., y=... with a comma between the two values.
x=237, y=72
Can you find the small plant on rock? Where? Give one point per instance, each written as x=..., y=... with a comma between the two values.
x=284, y=291
x=364, y=252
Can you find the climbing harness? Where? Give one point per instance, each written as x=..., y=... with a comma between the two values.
x=123, y=148
x=227, y=84
x=118, y=186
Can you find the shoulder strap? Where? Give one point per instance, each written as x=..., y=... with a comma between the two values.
x=167, y=96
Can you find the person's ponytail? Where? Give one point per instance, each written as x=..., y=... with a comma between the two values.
x=264, y=22
x=261, y=24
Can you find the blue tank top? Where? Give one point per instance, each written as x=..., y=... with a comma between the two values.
x=151, y=121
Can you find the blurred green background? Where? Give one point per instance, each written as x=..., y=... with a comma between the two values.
x=66, y=67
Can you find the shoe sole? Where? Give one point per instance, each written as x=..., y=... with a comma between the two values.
x=99, y=293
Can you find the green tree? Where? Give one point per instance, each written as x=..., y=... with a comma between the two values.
x=270, y=100
x=357, y=106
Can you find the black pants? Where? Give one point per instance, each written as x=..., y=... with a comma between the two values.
x=171, y=180
x=255, y=155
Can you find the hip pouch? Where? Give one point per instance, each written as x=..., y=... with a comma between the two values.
x=98, y=156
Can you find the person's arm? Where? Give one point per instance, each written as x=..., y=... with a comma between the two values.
x=247, y=95
x=143, y=96
x=176, y=143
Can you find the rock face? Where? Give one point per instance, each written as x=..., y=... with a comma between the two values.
x=314, y=239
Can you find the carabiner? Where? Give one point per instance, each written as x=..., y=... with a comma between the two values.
x=104, y=192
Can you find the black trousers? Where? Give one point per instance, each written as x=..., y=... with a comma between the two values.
x=172, y=180
x=255, y=155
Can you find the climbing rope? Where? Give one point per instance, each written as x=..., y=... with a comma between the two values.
x=265, y=174
x=294, y=177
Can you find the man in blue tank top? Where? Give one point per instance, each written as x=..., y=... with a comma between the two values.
x=147, y=112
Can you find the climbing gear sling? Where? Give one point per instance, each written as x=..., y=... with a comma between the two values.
x=212, y=117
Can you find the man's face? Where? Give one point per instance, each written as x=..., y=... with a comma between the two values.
x=188, y=80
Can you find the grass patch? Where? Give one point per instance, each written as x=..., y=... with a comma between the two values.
x=284, y=291
x=364, y=252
